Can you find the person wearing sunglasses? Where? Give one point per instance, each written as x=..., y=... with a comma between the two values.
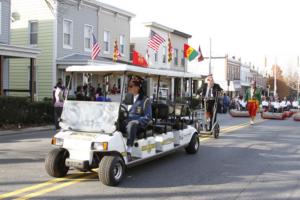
x=140, y=113
x=209, y=91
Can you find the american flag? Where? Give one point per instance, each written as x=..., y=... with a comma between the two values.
x=155, y=41
x=95, y=48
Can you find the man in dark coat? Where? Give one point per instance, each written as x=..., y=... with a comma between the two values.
x=208, y=92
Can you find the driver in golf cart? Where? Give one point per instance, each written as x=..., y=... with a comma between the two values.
x=140, y=113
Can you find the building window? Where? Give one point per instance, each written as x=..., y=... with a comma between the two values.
x=106, y=41
x=122, y=44
x=176, y=57
x=68, y=35
x=164, y=54
x=33, y=30
x=182, y=58
x=155, y=56
x=88, y=30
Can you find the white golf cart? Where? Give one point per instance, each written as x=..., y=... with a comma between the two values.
x=90, y=137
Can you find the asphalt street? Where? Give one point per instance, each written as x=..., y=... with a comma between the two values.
x=246, y=162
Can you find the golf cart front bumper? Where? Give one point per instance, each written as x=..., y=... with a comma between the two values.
x=81, y=164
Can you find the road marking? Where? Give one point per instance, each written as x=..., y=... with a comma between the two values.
x=57, y=187
x=69, y=180
x=230, y=129
x=34, y=187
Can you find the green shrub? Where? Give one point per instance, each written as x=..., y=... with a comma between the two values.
x=19, y=110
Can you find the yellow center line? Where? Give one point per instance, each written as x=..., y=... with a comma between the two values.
x=56, y=187
x=34, y=187
x=230, y=129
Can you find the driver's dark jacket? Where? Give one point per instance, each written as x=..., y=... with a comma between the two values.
x=141, y=110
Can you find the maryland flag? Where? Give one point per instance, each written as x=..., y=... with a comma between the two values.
x=116, y=54
x=139, y=60
x=170, y=50
x=189, y=52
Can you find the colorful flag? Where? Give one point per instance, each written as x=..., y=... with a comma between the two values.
x=139, y=60
x=200, y=57
x=116, y=54
x=189, y=52
x=170, y=50
x=95, y=48
x=155, y=41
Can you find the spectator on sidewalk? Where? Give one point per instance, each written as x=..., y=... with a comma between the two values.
x=58, y=97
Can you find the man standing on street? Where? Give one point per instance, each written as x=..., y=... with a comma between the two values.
x=253, y=99
x=208, y=92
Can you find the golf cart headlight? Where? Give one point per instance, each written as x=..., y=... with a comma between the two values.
x=100, y=146
x=57, y=141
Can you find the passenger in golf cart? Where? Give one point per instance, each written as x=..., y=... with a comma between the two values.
x=140, y=113
x=209, y=93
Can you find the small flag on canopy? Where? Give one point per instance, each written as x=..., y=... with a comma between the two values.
x=155, y=40
x=200, y=57
x=170, y=50
x=116, y=54
x=95, y=48
x=189, y=52
x=139, y=60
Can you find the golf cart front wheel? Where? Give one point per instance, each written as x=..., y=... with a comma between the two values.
x=111, y=170
x=216, y=131
x=194, y=145
x=55, y=163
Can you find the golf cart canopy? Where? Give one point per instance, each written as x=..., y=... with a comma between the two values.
x=116, y=68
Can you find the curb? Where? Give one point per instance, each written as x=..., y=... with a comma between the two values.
x=26, y=130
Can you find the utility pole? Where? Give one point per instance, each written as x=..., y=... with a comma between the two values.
x=209, y=69
x=275, y=77
x=298, y=73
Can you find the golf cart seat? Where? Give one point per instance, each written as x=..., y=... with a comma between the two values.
x=160, y=114
x=146, y=131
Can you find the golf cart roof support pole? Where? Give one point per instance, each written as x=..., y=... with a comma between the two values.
x=105, y=86
x=68, y=87
x=123, y=86
x=157, y=93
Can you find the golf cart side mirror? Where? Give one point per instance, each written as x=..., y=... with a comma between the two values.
x=128, y=100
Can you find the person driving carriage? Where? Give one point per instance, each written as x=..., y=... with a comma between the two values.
x=140, y=113
x=209, y=91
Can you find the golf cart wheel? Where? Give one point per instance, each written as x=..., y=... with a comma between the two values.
x=55, y=163
x=193, y=146
x=216, y=131
x=111, y=170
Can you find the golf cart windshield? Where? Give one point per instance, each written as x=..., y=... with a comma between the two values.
x=90, y=116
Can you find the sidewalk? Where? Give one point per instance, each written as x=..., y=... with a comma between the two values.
x=27, y=130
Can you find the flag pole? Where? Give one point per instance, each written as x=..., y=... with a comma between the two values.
x=209, y=69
